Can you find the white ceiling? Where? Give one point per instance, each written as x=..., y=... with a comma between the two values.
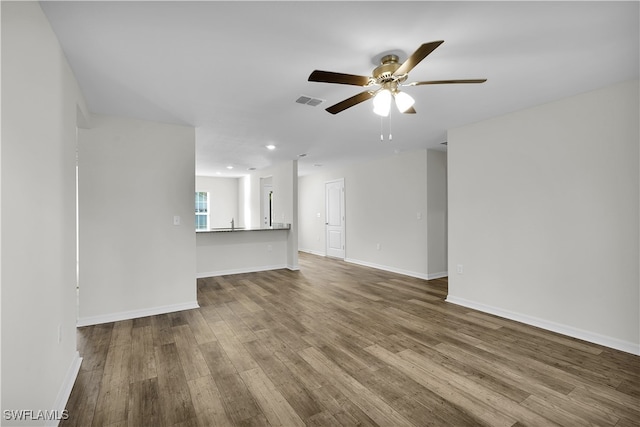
x=234, y=69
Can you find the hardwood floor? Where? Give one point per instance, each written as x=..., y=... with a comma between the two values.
x=336, y=344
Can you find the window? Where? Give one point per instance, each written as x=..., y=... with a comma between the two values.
x=202, y=210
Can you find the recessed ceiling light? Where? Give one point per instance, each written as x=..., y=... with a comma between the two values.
x=270, y=147
x=251, y=169
x=229, y=167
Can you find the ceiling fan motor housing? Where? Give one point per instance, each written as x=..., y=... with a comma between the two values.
x=383, y=73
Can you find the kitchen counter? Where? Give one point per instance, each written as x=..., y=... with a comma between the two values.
x=237, y=229
x=221, y=251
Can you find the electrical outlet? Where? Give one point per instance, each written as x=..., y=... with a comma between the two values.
x=459, y=269
x=378, y=246
x=176, y=220
x=419, y=216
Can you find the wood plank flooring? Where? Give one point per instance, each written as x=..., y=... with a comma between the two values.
x=336, y=344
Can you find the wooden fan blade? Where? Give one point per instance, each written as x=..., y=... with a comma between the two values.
x=340, y=78
x=350, y=102
x=443, y=82
x=417, y=56
x=410, y=110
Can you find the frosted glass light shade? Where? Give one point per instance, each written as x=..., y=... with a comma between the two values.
x=404, y=101
x=382, y=103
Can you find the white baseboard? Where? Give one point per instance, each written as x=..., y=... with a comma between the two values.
x=570, y=331
x=65, y=390
x=439, y=275
x=387, y=268
x=134, y=314
x=242, y=270
x=309, y=251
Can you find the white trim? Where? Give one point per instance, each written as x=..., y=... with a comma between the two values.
x=439, y=275
x=309, y=251
x=570, y=331
x=134, y=314
x=243, y=270
x=387, y=268
x=390, y=269
x=65, y=390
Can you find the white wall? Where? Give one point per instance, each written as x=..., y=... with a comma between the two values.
x=249, y=201
x=544, y=213
x=39, y=103
x=284, y=179
x=386, y=203
x=223, y=200
x=134, y=177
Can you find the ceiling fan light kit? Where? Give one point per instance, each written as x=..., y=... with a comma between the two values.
x=382, y=103
x=385, y=81
x=404, y=101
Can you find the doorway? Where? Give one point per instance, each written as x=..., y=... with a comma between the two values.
x=267, y=202
x=335, y=218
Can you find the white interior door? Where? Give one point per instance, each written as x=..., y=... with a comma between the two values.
x=267, y=205
x=335, y=221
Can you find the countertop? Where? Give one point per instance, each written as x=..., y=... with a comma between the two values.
x=238, y=229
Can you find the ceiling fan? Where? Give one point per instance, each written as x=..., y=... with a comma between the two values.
x=384, y=82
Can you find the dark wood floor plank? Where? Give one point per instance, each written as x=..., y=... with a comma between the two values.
x=192, y=361
x=143, y=361
x=83, y=398
x=144, y=401
x=217, y=360
x=238, y=402
x=414, y=408
x=199, y=326
x=175, y=399
x=486, y=395
x=113, y=398
x=161, y=330
x=273, y=404
x=370, y=403
x=237, y=327
x=283, y=380
x=121, y=334
x=479, y=409
x=207, y=402
x=339, y=344
x=233, y=347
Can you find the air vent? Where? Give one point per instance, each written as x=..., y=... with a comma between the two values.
x=309, y=100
